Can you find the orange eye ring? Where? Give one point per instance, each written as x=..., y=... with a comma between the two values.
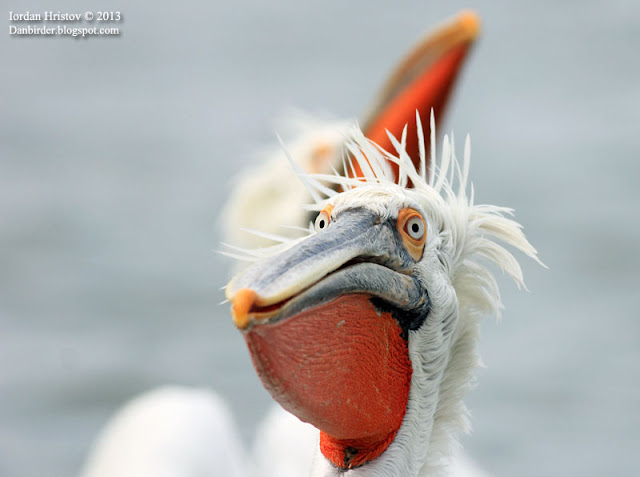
x=413, y=230
x=324, y=218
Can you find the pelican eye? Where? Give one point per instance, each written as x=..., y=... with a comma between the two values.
x=324, y=218
x=413, y=231
x=415, y=228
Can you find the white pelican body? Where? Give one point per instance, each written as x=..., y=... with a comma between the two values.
x=187, y=432
x=169, y=432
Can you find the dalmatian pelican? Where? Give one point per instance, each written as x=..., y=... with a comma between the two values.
x=366, y=328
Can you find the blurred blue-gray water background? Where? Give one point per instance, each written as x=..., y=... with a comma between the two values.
x=116, y=156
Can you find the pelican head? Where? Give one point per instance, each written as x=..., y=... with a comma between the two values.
x=367, y=327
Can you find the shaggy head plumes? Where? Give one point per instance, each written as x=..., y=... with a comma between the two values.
x=467, y=231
